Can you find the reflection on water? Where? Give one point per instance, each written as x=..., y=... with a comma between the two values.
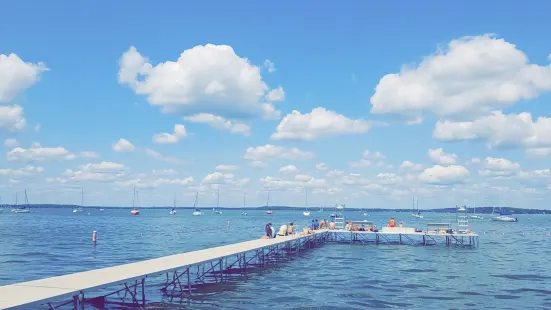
x=507, y=271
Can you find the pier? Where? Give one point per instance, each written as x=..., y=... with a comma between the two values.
x=183, y=275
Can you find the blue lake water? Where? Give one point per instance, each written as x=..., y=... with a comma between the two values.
x=509, y=269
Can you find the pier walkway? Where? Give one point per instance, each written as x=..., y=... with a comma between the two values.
x=188, y=272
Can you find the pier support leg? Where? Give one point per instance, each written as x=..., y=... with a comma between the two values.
x=143, y=292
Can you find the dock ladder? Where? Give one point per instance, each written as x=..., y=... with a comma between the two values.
x=462, y=219
x=339, y=217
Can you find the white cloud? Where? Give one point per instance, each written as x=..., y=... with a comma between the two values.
x=17, y=76
x=171, y=138
x=444, y=175
x=320, y=123
x=334, y=173
x=362, y=163
x=373, y=155
x=153, y=183
x=388, y=178
x=290, y=169
x=322, y=166
x=103, y=166
x=270, y=151
x=539, y=152
x=204, y=79
x=101, y=172
x=157, y=155
x=500, y=130
x=258, y=164
x=439, y=157
x=21, y=172
x=268, y=64
x=369, y=159
x=475, y=160
x=165, y=172
x=89, y=154
x=472, y=75
x=11, y=143
x=226, y=168
x=499, y=167
x=220, y=123
x=299, y=182
x=276, y=94
x=37, y=152
x=11, y=117
x=218, y=178
x=408, y=165
x=123, y=145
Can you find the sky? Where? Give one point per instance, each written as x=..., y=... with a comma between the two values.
x=369, y=104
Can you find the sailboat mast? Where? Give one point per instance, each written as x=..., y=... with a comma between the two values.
x=16, y=197
x=82, y=197
x=268, y=201
x=195, y=202
x=244, y=199
x=218, y=199
x=134, y=198
x=417, y=204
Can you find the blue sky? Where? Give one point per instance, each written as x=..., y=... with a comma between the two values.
x=393, y=100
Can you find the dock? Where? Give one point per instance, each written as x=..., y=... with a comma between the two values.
x=186, y=273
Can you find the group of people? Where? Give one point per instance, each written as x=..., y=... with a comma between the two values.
x=285, y=230
x=392, y=223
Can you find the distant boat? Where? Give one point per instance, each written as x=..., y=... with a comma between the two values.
x=503, y=217
x=244, y=213
x=217, y=210
x=244, y=204
x=80, y=209
x=475, y=216
x=102, y=209
x=416, y=213
x=268, y=212
x=196, y=212
x=173, y=211
x=306, y=212
x=135, y=200
x=25, y=208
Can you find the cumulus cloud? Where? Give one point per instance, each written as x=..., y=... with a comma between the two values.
x=171, y=138
x=499, y=167
x=123, y=145
x=471, y=75
x=444, y=175
x=289, y=169
x=269, y=65
x=17, y=75
x=500, y=130
x=21, y=172
x=270, y=151
x=37, y=152
x=322, y=166
x=226, y=168
x=204, y=79
x=408, y=165
x=320, y=123
x=220, y=123
x=11, y=118
x=11, y=143
x=439, y=157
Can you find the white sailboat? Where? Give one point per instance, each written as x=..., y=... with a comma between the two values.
x=418, y=213
x=269, y=212
x=306, y=212
x=24, y=209
x=173, y=211
x=244, y=204
x=135, y=198
x=474, y=215
x=503, y=216
x=80, y=209
x=196, y=211
x=217, y=210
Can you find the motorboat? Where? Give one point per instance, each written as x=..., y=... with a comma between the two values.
x=504, y=218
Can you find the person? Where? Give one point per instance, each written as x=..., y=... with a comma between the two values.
x=273, y=231
x=290, y=229
x=317, y=224
x=282, y=230
x=348, y=226
x=268, y=230
x=332, y=225
x=392, y=222
x=401, y=224
x=323, y=225
x=313, y=224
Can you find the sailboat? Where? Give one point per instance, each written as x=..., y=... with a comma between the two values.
x=244, y=204
x=475, y=216
x=321, y=209
x=135, y=199
x=269, y=212
x=503, y=216
x=217, y=210
x=196, y=211
x=418, y=214
x=306, y=212
x=173, y=211
x=79, y=209
x=24, y=209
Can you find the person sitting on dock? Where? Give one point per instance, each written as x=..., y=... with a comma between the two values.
x=313, y=225
x=269, y=230
x=317, y=225
x=392, y=222
x=401, y=224
x=348, y=226
x=332, y=225
x=290, y=229
x=323, y=225
x=282, y=230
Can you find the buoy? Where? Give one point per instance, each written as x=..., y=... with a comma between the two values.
x=94, y=236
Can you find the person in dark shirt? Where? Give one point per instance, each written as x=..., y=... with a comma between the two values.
x=269, y=230
x=317, y=224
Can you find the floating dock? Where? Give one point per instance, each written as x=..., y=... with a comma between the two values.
x=186, y=273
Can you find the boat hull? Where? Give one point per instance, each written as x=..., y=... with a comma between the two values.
x=197, y=213
x=306, y=213
x=135, y=212
x=504, y=219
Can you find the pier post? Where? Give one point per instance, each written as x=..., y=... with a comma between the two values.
x=143, y=292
